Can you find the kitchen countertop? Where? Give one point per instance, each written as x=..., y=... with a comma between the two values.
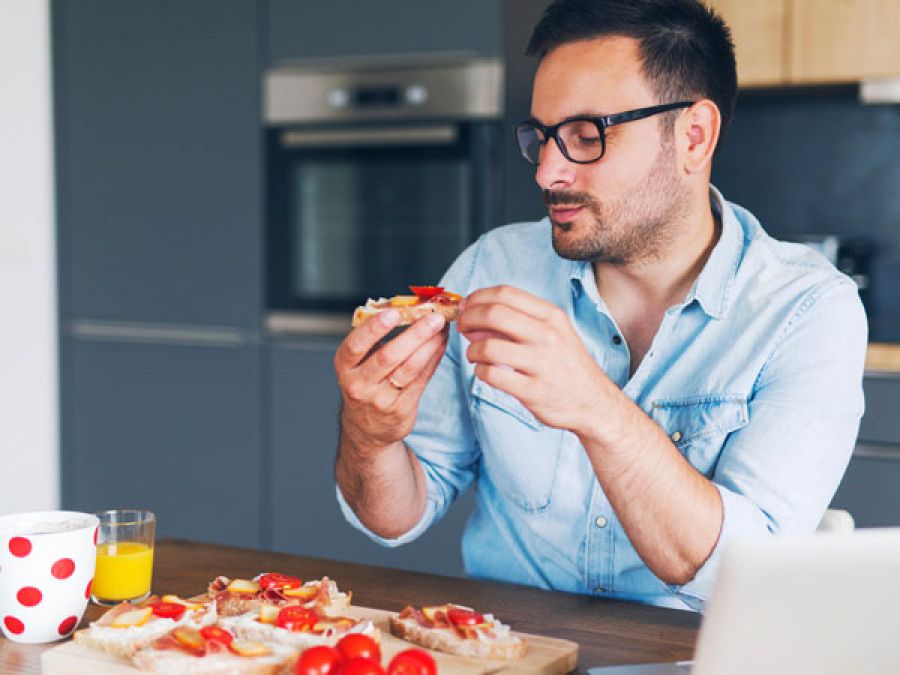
x=608, y=632
x=883, y=357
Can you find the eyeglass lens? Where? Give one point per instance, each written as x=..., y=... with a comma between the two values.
x=579, y=141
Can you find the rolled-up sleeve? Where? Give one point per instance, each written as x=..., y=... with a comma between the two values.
x=442, y=438
x=778, y=474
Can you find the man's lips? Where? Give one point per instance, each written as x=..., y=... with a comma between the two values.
x=564, y=214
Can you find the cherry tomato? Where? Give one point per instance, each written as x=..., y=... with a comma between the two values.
x=464, y=617
x=357, y=645
x=279, y=581
x=319, y=660
x=412, y=662
x=167, y=610
x=296, y=618
x=426, y=291
x=361, y=666
x=217, y=634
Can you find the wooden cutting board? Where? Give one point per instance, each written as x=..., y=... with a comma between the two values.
x=545, y=655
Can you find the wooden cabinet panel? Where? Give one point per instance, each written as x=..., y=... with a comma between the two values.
x=881, y=32
x=758, y=29
x=844, y=40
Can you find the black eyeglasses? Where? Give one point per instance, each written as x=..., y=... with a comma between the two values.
x=581, y=139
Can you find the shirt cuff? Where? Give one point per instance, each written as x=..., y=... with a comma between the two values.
x=740, y=518
x=412, y=534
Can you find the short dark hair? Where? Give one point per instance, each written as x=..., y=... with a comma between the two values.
x=686, y=48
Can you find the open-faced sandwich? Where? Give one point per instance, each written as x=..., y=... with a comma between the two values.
x=126, y=628
x=233, y=597
x=296, y=626
x=425, y=300
x=213, y=650
x=457, y=630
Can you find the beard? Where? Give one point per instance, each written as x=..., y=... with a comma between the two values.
x=638, y=226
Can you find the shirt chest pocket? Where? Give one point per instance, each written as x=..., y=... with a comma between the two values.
x=699, y=426
x=521, y=454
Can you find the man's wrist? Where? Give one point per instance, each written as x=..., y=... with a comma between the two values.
x=603, y=420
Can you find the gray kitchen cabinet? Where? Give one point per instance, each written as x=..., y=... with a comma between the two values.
x=303, y=405
x=159, y=160
x=870, y=490
x=299, y=29
x=169, y=427
x=881, y=423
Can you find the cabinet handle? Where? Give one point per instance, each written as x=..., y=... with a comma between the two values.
x=889, y=451
x=445, y=134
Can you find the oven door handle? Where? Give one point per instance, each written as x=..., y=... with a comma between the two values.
x=443, y=134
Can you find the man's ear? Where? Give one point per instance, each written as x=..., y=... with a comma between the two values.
x=697, y=131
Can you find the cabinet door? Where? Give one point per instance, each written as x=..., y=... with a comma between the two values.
x=869, y=490
x=306, y=518
x=171, y=428
x=159, y=157
x=880, y=423
x=844, y=40
x=758, y=31
x=336, y=28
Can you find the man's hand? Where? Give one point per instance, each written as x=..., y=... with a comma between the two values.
x=528, y=348
x=381, y=389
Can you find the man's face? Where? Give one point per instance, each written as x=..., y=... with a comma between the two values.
x=626, y=206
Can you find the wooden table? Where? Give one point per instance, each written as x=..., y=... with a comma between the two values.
x=608, y=632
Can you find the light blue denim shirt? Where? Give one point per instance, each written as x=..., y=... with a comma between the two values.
x=756, y=377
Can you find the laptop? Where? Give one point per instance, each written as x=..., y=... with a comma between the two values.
x=823, y=604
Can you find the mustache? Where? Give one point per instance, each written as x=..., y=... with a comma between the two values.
x=553, y=197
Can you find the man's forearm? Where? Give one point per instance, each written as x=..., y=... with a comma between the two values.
x=671, y=513
x=385, y=487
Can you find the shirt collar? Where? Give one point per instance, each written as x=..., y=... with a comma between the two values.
x=712, y=288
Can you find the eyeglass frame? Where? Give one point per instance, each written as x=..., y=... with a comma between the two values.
x=602, y=123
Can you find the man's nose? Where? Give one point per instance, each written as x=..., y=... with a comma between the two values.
x=553, y=169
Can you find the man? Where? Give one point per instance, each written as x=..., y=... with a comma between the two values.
x=662, y=378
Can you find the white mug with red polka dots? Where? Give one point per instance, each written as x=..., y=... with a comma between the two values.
x=47, y=563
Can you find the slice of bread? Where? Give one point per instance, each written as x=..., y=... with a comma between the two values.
x=409, y=314
x=125, y=641
x=250, y=628
x=500, y=644
x=174, y=662
x=327, y=601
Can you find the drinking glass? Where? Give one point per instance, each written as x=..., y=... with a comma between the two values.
x=124, y=556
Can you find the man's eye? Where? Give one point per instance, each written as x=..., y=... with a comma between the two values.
x=589, y=141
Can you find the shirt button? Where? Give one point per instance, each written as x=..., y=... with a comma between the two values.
x=601, y=521
x=676, y=436
x=617, y=339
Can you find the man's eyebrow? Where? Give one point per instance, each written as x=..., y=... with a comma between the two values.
x=587, y=114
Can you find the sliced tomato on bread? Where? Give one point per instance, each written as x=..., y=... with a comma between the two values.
x=425, y=300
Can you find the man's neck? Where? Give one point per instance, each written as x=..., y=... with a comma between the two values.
x=638, y=295
x=665, y=280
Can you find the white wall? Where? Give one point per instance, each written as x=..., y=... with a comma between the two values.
x=29, y=427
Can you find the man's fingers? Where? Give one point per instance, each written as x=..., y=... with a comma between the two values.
x=504, y=354
x=360, y=341
x=523, y=301
x=418, y=361
x=485, y=320
x=415, y=387
x=386, y=359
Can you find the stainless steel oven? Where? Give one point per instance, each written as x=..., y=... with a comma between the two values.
x=378, y=175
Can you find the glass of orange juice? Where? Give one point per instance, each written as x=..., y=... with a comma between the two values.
x=124, y=556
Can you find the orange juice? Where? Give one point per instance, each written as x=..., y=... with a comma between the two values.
x=123, y=570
